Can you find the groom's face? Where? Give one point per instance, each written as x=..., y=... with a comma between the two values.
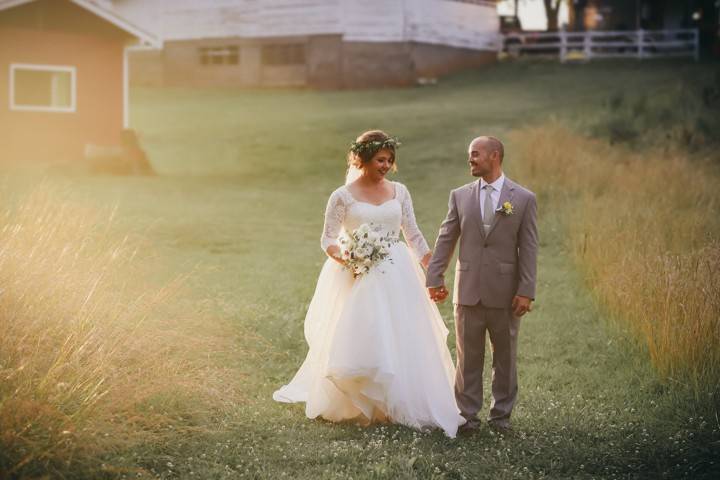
x=479, y=159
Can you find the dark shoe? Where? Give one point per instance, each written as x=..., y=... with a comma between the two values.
x=469, y=427
x=501, y=426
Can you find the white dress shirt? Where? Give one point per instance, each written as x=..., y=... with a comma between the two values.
x=495, y=197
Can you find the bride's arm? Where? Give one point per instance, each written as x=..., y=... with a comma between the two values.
x=334, y=216
x=413, y=235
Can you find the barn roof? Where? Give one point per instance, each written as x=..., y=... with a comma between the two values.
x=102, y=9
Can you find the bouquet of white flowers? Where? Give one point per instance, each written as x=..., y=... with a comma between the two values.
x=366, y=247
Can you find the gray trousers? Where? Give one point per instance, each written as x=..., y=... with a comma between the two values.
x=471, y=324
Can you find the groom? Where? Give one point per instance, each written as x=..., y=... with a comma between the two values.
x=495, y=220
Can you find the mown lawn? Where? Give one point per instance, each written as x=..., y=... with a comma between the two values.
x=238, y=206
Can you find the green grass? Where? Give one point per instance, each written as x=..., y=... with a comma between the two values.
x=244, y=177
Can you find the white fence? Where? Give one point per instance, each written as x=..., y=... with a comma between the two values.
x=584, y=46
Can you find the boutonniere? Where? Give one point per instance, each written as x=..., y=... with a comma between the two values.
x=506, y=209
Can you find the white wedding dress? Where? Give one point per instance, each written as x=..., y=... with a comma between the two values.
x=377, y=343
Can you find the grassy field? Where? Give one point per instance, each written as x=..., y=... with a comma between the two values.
x=230, y=230
x=644, y=227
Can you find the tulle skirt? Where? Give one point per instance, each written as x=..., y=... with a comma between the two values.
x=378, y=349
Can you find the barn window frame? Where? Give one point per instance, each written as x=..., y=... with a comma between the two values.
x=14, y=105
x=214, y=56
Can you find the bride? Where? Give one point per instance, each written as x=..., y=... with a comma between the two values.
x=378, y=349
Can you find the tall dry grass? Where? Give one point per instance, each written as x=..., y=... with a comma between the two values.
x=91, y=360
x=645, y=228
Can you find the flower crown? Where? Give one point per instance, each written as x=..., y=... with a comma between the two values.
x=374, y=145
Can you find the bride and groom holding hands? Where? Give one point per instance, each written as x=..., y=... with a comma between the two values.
x=377, y=342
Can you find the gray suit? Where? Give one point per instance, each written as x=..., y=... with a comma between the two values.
x=491, y=269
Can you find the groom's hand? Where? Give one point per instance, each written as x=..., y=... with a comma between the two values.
x=521, y=305
x=438, y=294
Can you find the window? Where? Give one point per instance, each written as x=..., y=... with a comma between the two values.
x=290, y=54
x=228, y=55
x=42, y=88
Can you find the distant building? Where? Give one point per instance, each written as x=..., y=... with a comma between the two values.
x=320, y=44
x=64, y=82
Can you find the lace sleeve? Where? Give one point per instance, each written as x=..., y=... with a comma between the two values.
x=412, y=233
x=334, y=216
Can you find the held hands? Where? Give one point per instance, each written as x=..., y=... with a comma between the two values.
x=521, y=305
x=438, y=294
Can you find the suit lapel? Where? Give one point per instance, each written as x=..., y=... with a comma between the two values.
x=475, y=209
x=506, y=195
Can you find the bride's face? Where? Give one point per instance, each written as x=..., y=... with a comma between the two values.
x=380, y=164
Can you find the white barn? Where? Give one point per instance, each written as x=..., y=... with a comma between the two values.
x=316, y=43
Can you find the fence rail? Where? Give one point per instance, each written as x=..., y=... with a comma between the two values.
x=585, y=46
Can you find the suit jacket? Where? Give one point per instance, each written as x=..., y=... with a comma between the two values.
x=491, y=268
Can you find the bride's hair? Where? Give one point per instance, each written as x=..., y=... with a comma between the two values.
x=367, y=145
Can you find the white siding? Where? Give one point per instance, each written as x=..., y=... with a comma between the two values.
x=194, y=19
x=145, y=13
x=374, y=20
x=443, y=22
x=296, y=17
x=456, y=24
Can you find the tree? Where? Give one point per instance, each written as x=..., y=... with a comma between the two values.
x=552, y=10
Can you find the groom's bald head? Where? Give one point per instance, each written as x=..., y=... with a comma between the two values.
x=485, y=156
x=489, y=144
